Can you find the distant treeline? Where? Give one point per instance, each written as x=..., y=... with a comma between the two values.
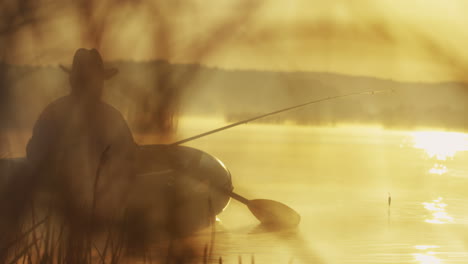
x=142, y=90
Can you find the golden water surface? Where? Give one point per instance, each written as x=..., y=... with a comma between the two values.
x=365, y=194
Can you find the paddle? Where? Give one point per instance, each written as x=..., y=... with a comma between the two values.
x=269, y=212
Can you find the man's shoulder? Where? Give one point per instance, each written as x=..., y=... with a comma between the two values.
x=110, y=111
x=56, y=106
x=113, y=121
x=112, y=117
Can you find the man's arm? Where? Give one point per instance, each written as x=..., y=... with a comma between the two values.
x=39, y=146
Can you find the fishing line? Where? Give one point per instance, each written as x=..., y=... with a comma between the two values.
x=277, y=112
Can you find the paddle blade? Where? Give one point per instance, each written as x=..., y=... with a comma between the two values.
x=273, y=213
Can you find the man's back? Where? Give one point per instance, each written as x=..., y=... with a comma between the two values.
x=84, y=151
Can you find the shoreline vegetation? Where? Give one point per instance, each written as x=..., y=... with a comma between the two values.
x=43, y=240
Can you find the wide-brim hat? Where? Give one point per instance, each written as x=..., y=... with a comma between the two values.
x=89, y=61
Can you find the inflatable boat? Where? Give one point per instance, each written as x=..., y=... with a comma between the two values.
x=179, y=189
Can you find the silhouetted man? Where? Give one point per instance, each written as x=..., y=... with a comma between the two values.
x=82, y=155
x=82, y=148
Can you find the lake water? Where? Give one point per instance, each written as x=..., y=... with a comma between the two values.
x=340, y=179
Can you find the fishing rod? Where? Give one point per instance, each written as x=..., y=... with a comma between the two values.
x=268, y=212
x=372, y=92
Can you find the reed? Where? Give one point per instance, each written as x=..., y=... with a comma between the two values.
x=52, y=235
x=45, y=243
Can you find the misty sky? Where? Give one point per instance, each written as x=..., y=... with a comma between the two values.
x=418, y=40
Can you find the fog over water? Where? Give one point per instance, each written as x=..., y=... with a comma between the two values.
x=339, y=179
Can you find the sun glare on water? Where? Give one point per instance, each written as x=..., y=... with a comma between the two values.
x=437, y=211
x=427, y=258
x=440, y=145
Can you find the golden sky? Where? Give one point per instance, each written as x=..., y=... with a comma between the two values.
x=414, y=40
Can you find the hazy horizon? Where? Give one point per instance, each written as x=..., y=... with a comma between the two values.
x=246, y=69
x=238, y=95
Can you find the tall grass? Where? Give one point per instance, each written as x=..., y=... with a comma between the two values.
x=45, y=237
x=46, y=243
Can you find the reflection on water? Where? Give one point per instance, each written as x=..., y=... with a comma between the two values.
x=427, y=257
x=437, y=209
x=439, y=169
x=441, y=145
x=340, y=180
